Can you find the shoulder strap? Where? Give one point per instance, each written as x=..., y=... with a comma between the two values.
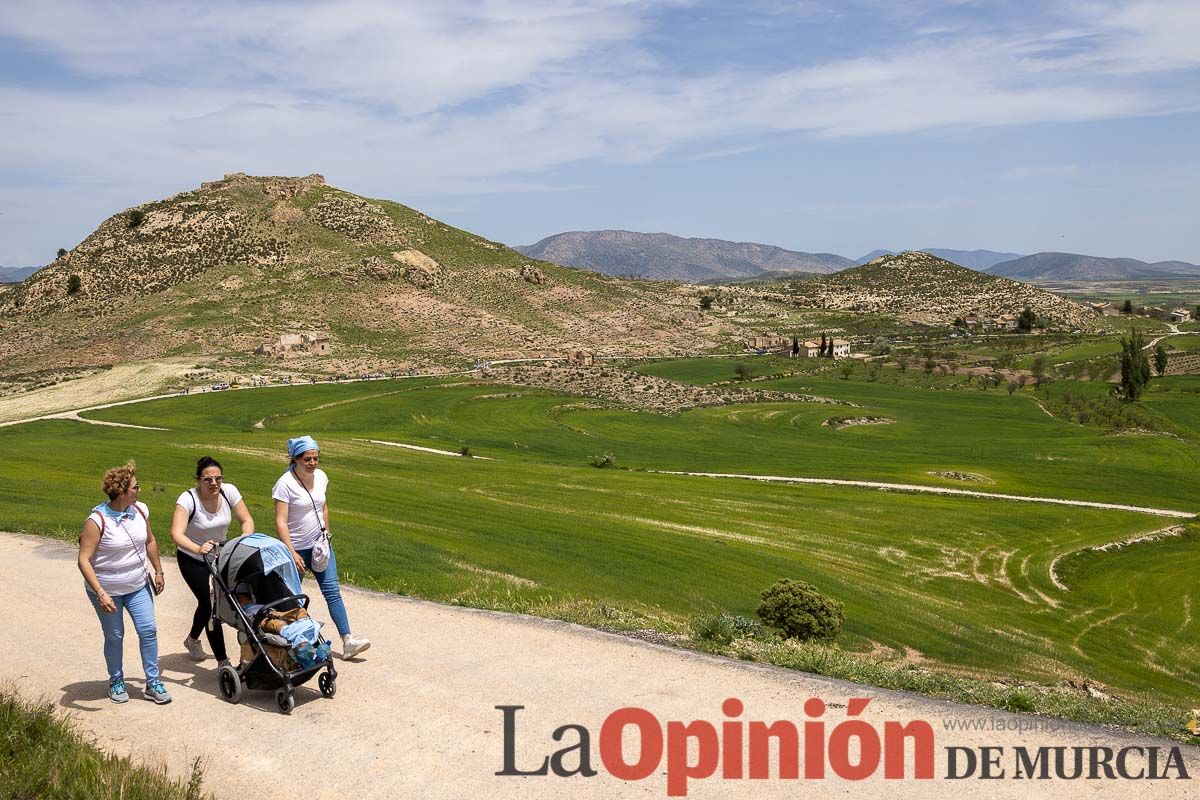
x=320, y=521
x=193, y=512
x=100, y=517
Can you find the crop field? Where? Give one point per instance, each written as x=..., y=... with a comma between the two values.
x=997, y=589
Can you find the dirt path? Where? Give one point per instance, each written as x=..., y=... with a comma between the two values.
x=917, y=487
x=416, y=717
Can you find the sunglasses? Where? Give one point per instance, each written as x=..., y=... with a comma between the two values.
x=209, y=479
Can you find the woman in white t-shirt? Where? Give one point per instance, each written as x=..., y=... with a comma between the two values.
x=301, y=520
x=201, y=522
x=114, y=546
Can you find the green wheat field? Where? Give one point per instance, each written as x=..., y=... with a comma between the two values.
x=962, y=585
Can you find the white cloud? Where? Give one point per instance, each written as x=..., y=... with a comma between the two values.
x=417, y=97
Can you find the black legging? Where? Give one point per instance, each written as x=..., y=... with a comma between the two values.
x=195, y=575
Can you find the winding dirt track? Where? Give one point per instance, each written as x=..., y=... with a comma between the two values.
x=416, y=716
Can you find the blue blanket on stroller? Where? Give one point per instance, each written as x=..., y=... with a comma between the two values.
x=304, y=639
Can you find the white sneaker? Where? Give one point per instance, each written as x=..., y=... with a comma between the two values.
x=352, y=647
x=194, y=649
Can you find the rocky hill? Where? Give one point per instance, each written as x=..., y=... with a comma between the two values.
x=662, y=256
x=238, y=262
x=924, y=288
x=975, y=259
x=1075, y=267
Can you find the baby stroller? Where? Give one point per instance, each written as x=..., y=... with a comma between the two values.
x=262, y=568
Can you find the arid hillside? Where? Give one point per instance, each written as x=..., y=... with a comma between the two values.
x=924, y=288
x=239, y=262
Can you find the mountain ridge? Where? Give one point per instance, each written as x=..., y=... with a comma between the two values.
x=1050, y=265
x=664, y=256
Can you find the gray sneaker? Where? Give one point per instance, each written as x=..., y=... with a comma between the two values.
x=195, y=650
x=117, y=693
x=154, y=690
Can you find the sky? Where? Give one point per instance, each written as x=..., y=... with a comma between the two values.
x=816, y=126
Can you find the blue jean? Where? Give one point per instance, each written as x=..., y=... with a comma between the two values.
x=140, y=605
x=328, y=582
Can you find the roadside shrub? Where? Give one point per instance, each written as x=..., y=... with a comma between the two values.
x=465, y=452
x=800, y=611
x=606, y=461
x=714, y=628
x=722, y=629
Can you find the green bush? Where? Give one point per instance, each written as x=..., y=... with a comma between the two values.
x=74, y=284
x=62, y=251
x=136, y=218
x=722, y=629
x=800, y=611
x=606, y=461
x=714, y=628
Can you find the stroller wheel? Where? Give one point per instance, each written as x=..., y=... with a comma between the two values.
x=285, y=700
x=327, y=684
x=229, y=684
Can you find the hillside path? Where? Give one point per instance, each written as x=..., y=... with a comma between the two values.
x=918, y=487
x=416, y=716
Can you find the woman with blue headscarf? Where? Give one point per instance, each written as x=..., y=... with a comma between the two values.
x=302, y=522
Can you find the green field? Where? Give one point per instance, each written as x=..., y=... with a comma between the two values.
x=961, y=584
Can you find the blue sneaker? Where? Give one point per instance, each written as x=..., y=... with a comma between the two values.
x=154, y=690
x=117, y=693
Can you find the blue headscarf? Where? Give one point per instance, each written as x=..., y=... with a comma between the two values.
x=301, y=444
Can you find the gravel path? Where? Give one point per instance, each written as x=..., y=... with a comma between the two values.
x=916, y=487
x=416, y=716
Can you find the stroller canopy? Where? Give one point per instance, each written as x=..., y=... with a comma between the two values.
x=263, y=564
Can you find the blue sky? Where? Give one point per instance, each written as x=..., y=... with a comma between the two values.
x=834, y=127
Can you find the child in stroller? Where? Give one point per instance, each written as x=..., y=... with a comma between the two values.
x=282, y=646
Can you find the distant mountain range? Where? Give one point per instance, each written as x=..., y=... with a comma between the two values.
x=1074, y=267
x=975, y=259
x=665, y=257
x=15, y=274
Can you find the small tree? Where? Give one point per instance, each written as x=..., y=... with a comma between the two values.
x=930, y=365
x=136, y=217
x=1026, y=320
x=743, y=371
x=847, y=369
x=62, y=251
x=800, y=611
x=902, y=362
x=706, y=302
x=74, y=284
x=821, y=352
x=1127, y=307
x=1135, y=367
x=1160, y=360
x=1039, y=370
x=795, y=346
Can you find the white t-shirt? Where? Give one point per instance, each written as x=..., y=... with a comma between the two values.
x=206, y=527
x=304, y=521
x=120, y=558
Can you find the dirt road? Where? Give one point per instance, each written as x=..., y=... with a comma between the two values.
x=416, y=717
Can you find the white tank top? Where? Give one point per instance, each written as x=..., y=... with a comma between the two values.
x=120, y=558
